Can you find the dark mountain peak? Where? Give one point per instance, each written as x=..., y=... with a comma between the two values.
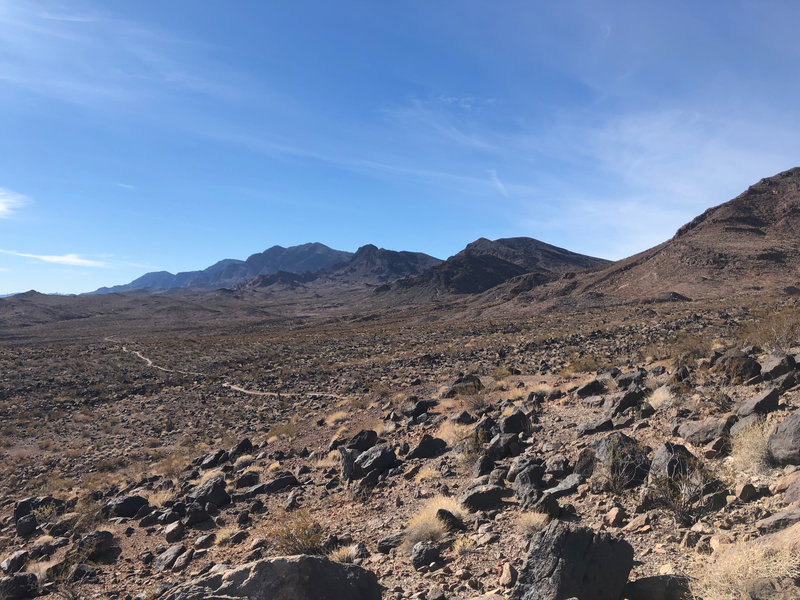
x=484, y=264
x=229, y=273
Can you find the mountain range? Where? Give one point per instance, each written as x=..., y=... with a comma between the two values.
x=747, y=245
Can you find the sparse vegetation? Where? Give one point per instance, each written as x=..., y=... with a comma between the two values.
x=749, y=449
x=297, y=533
x=530, y=522
x=737, y=572
x=425, y=526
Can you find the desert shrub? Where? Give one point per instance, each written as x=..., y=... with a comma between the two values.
x=685, y=493
x=426, y=473
x=773, y=329
x=330, y=460
x=297, y=533
x=453, y=433
x=288, y=428
x=172, y=465
x=500, y=373
x=464, y=545
x=743, y=568
x=425, y=526
x=587, y=363
x=344, y=554
x=477, y=402
x=688, y=348
x=749, y=452
x=337, y=418
x=531, y=522
x=243, y=462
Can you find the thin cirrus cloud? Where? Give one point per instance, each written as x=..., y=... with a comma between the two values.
x=72, y=260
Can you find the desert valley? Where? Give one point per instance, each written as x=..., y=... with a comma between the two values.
x=517, y=421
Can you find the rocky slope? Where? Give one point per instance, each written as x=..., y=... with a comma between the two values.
x=749, y=243
x=484, y=264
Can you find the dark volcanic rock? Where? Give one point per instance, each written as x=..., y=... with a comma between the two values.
x=378, y=458
x=167, y=559
x=702, y=432
x=18, y=586
x=784, y=443
x=763, y=403
x=466, y=384
x=671, y=460
x=282, y=481
x=363, y=440
x=516, y=422
x=566, y=561
x=484, y=497
x=590, y=388
x=625, y=461
x=428, y=447
x=306, y=577
x=659, y=587
x=423, y=554
x=776, y=365
x=212, y=491
x=127, y=506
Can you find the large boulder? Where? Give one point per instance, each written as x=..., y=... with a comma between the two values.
x=465, y=384
x=624, y=460
x=784, y=443
x=566, y=561
x=19, y=585
x=703, y=432
x=378, y=458
x=212, y=491
x=763, y=403
x=127, y=506
x=428, y=447
x=306, y=577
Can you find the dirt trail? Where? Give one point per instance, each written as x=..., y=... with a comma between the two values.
x=149, y=362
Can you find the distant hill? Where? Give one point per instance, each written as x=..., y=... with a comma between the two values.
x=748, y=243
x=229, y=273
x=370, y=265
x=484, y=264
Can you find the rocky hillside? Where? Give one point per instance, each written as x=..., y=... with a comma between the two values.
x=747, y=244
x=572, y=459
x=484, y=264
x=229, y=273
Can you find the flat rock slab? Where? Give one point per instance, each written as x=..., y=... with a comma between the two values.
x=778, y=521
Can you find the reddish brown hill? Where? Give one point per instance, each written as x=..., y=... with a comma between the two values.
x=749, y=243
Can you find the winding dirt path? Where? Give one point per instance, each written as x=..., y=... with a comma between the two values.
x=149, y=362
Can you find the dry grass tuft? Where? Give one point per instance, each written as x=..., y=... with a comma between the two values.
x=749, y=452
x=337, y=418
x=531, y=522
x=425, y=526
x=464, y=545
x=426, y=473
x=297, y=533
x=157, y=498
x=742, y=568
x=453, y=433
x=328, y=461
x=661, y=398
x=224, y=535
x=344, y=554
x=243, y=462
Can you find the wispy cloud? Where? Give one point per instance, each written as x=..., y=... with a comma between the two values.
x=497, y=183
x=72, y=260
x=125, y=186
x=10, y=201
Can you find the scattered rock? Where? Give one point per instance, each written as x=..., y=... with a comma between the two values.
x=423, y=554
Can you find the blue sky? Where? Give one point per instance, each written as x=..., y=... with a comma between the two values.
x=150, y=135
